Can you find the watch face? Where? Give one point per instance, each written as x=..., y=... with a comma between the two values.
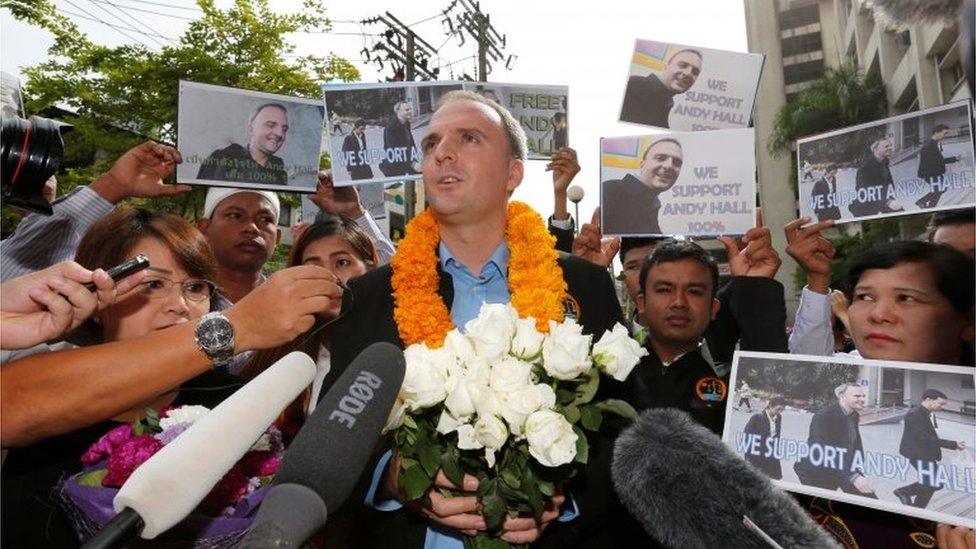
x=215, y=333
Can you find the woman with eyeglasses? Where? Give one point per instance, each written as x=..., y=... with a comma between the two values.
x=177, y=289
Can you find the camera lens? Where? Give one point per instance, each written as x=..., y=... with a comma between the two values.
x=30, y=153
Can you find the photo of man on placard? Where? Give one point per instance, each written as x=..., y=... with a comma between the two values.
x=398, y=142
x=255, y=162
x=649, y=99
x=932, y=165
x=354, y=149
x=636, y=201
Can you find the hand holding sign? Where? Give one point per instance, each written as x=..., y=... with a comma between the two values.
x=336, y=201
x=591, y=246
x=139, y=173
x=811, y=250
x=757, y=258
x=564, y=167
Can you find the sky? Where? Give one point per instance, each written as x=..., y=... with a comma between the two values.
x=583, y=45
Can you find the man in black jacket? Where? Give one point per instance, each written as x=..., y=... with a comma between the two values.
x=921, y=445
x=835, y=436
x=649, y=99
x=474, y=155
x=824, y=195
x=932, y=165
x=766, y=424
x=354, y=152
x=873, y=182
x=398, y=143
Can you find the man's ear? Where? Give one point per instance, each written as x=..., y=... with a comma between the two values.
x=716, y=305
x=516, y=171
x=203, y=224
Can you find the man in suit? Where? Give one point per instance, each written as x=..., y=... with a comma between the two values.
x=823, y=195
x=873, y=182
x=932, y=165
x=398, y=144
x=474, y=158
x=921, y=445
x=767, y=424
x=835, y=436
x=354, y=152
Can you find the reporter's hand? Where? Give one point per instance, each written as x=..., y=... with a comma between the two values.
x=811, y=250
x=461, y=513
x=44, y=305
x=592, y=246
x=283, y=307
x=139, y=173
x=336, y=200
x=954, y=537
x=757, y=258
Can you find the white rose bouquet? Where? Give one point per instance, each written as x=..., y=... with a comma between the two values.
x=507, y=404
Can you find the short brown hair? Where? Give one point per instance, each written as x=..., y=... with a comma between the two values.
x=111, y=240
x=513, y=130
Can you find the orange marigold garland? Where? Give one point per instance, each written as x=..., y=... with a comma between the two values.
x=535, y=279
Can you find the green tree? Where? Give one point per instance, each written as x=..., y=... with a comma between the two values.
x=123, y=95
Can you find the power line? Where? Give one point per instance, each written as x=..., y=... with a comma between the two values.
x=115, y=27
x=137, y=21
x=133, y=8
x=161, y=4
x=99, y=20
x=124, y=22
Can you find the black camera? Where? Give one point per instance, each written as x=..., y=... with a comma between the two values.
x=30, y=153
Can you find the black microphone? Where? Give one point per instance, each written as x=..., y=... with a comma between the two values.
x=688, y=489
x=331, y=450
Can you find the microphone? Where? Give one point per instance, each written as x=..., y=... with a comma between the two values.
x=331, y=450
x=169, y=485
x=701, y=502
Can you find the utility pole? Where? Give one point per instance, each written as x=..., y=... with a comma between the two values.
x=490, y=42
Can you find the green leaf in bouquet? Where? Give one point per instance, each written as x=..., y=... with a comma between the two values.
x=430, y=458
x=511, y=477
x=586, y=390
x=619, y=407
x=547, y=488
x=409, y=421
x=414, y=482
x=152, y=419
x=494, y=510
x=591, y=418
x=565, y=396
x=582, y=446
x=451, y=468
x=533, y=495
x=92, y=478
x=484, y=541
x=572, y=413
x=485, y=486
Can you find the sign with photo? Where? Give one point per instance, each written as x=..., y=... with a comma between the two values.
x=374, y=130
x=687, y=88
x=692, y=183
x=247, y=139
x=894, y=436
x=541, y=110
x=371, y=197
x=913, y=163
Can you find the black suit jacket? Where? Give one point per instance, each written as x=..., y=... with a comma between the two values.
x=874, y=176
x=822, y=189
x=931, y=163
x=758, y=424
x=647, y=101
x=629, y=207
x=369, y=318
x=919, y=441
x=832, y=427
x=357, y=167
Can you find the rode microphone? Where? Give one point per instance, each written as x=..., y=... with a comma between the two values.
x=331, y=450
x=169, y=485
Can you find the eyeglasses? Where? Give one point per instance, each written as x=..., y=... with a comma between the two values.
x=193, y=289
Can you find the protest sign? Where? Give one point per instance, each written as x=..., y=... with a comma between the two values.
x=374, y=130
x=912, y=163
x=541, y=110
x=693, y=183
x=371, y=197
x=687, y=88
x=908, y=448
x=247, y=139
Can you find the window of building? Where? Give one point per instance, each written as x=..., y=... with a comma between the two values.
x=804, y=43
x=284, y=220
x=799, y=17
x=801, y=72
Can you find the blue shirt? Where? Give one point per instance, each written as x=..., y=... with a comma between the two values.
x=470, y=292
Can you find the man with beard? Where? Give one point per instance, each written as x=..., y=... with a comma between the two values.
x=873, y=182
x=631, y=204
x=649, y=99
x=398, y=142
x=255, y=163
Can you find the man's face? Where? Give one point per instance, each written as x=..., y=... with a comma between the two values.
x=359, y=130
x=677, y=302
x=632, y=262
x=884, y=148
x=776, y=410
x=900, y=314
x=854, y=398
x=661, y=165
x=468, y=167
x=242, y=232
x=404, y=112
x=936, y=404
x=682, y=71
x=961, y=237
x=831, y=174
x=940, y=135
x=266, y=133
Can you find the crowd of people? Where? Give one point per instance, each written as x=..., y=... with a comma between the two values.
x=205, y=317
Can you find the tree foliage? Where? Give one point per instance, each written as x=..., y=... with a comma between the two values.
x=120, y=96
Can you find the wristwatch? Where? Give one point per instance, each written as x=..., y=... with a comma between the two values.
x=215, y=336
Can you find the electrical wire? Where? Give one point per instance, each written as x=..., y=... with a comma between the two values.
x=124, y=22
x=117, y=29
x=141, y=10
